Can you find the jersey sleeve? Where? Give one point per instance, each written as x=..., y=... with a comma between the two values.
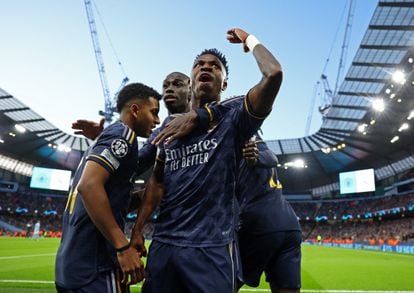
x=148, y=153
x=113, y=147
x=266, y=159
x=247, y=123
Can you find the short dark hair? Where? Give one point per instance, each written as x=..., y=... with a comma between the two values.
x=135, y=91
x=218, y=54
x=184, y=76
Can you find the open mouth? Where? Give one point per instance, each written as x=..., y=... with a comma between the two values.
x=205, y=77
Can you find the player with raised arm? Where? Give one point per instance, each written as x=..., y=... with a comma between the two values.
x=192, y=245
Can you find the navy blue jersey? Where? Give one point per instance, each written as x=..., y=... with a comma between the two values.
x=83, y=250
x=198, y=206
x=263, y=206
x=148, y=152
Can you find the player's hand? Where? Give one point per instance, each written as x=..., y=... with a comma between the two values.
x=89, y=129
x=131, y=265
x=177, y=128
x=251, y=153
x=237, y=36
x=138, y=242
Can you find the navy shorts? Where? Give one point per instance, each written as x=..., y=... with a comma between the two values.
x=106, y=282
x=172, y=268
x=277, y=254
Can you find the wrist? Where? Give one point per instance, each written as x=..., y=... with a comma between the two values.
x=251, y=42
x=123, y=248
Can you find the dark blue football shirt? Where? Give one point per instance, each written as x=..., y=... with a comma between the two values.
x=200, y=173
x=84, y=251
x=263, y=207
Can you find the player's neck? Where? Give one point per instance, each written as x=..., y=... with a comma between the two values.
x=197, y=102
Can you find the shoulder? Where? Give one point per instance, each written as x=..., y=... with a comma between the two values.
x=121, y=131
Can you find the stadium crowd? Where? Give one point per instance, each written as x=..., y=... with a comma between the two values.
x=394, y=225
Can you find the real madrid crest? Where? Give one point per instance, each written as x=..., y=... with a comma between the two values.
x=119, y=148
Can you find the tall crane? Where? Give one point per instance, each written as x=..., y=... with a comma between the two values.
x=328, y=94
x=110, y=106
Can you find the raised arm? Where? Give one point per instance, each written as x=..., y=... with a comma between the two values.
x=262, y=95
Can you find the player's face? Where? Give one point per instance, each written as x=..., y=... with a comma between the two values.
x=147, y=117
x=176, y=91
x=208, y=77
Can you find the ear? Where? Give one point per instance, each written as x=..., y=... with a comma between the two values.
x=135, y=108
x=224, y=85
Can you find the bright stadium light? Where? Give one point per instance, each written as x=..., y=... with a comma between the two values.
x=299, y=163
x=1, y=140
x=398, y=76
x=392, y=96
x=378, y=105
x=403, y=127
x=388, y=91
x=372, y=122
x=410, y=60
x=61, y=148
x=20, y=128
x=394, y=139
x=411, y=115
x=362, y=127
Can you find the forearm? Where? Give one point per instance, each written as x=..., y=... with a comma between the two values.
x=263, y=95
x=99, y=210
x=152, y=197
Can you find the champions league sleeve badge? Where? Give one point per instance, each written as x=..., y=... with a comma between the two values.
x=119, y=148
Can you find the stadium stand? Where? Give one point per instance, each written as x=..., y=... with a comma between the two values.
x=353, y=135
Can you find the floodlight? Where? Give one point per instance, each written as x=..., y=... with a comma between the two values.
x=20, y=128
x=1, y=140
x=362, y=127
x=410, y=60
x=372, y=122
x=299, y=163
x=398, y=76
x=394, y=139
x=378, y=105
x=411, y=115
x=403, y=127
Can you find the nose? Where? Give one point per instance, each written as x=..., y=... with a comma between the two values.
x=206, y=67
x=157, y=120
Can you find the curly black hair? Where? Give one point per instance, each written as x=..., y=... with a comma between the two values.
x=218, y=54
x=135, y=91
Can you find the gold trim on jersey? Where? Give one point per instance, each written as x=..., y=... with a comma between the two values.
x=272, y=182
x=131, y=139
x=250, y=113
x=103, y=160
x=210, y=114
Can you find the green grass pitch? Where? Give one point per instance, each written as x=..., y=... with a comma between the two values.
x=27, y=265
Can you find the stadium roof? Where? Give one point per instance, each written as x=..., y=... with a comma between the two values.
x=353, y=134
x=41, y=143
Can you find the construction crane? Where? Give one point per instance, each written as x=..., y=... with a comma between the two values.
x=110, y=104
x=328, y=94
